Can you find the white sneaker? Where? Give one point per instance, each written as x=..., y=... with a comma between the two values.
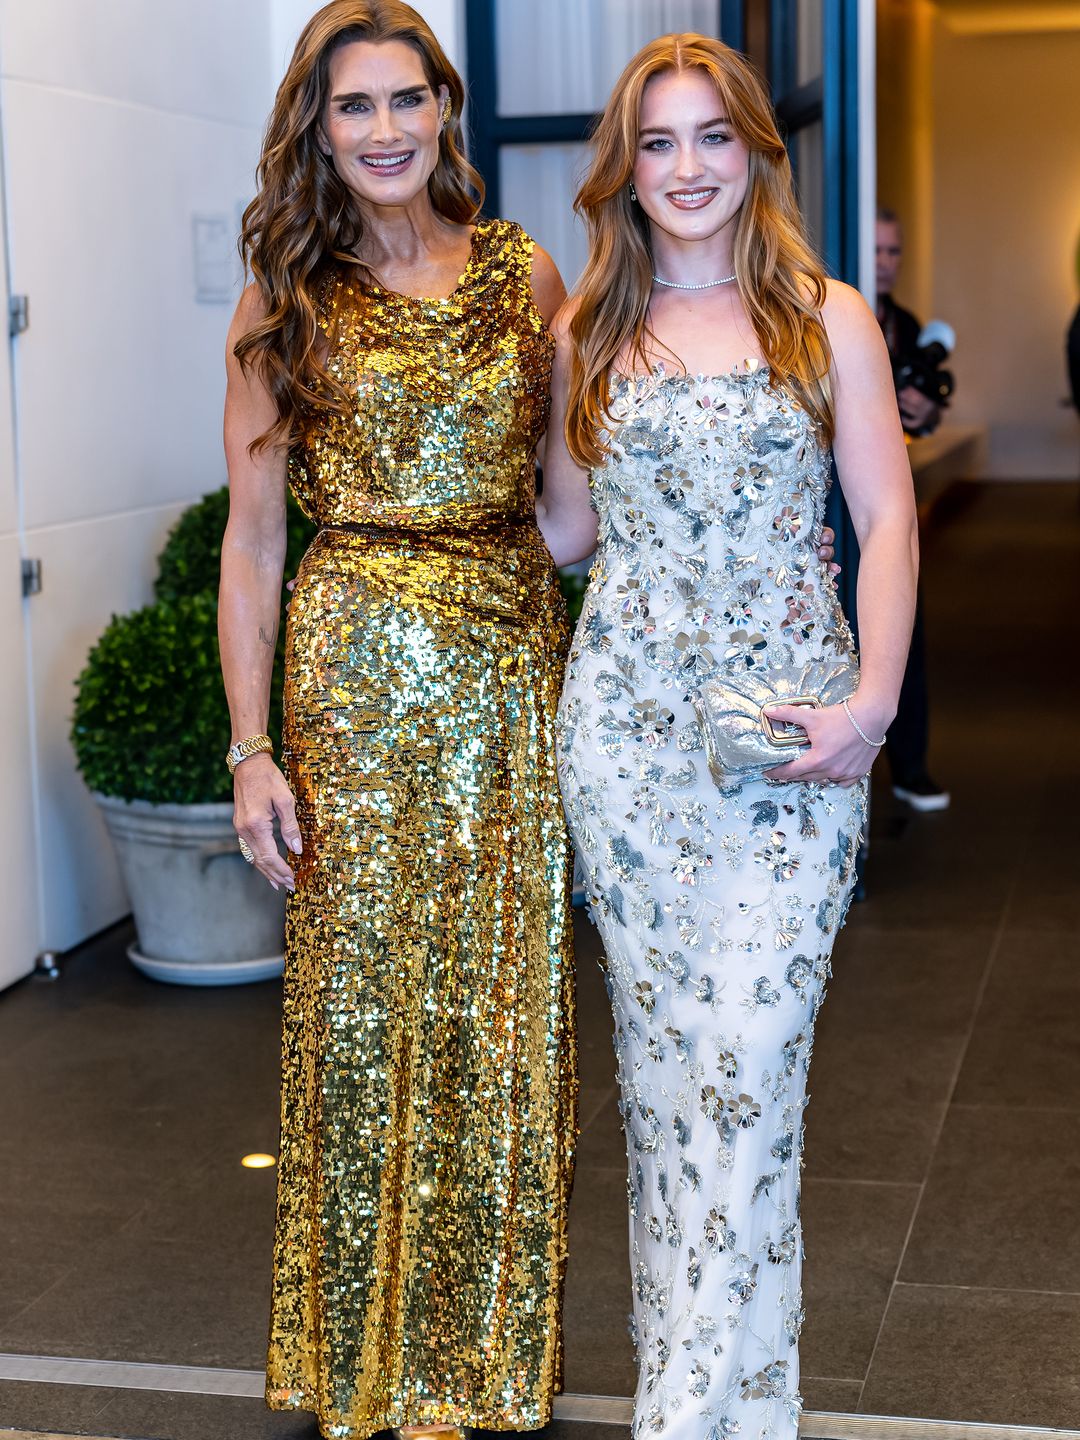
x=921, y=793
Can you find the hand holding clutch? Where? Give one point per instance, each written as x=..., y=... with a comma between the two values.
x=840, y=751
x=743, y=737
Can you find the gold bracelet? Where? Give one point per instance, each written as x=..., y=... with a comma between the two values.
x=243, y=749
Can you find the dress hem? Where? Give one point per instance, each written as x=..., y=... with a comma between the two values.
x=466, y=1418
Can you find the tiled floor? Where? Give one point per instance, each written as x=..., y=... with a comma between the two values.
x=942, y=1195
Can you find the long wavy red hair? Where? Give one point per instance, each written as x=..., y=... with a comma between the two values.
x=304, y=219
x=780, y=279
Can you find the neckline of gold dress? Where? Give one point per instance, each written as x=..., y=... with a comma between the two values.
x=454, y=297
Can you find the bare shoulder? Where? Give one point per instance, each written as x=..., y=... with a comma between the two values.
x=560, y=325
x=548, y=289
x=849, y=322
x=250, y=310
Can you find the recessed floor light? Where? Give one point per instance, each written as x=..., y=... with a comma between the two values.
x=258, y=1162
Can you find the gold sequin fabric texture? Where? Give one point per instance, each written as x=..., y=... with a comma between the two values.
x=429, y=1090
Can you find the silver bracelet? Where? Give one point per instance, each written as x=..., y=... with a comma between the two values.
x=874, y=744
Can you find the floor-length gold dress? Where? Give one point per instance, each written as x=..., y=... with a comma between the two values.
x=428, y=1105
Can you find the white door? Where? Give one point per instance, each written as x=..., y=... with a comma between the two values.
x=20, y=891
x=129, y=132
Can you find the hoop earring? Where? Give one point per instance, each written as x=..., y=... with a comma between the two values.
x=447, y=111
x=633, y=193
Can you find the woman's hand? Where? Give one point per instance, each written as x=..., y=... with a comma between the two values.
x=261, y=795
x=827, y=549
x=837, y=754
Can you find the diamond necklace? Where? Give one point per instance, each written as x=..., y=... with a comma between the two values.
x=706, y=285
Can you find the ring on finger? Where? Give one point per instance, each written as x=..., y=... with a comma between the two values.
x=246, y=851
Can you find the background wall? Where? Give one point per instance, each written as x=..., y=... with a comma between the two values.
x=130, y=133
x=979, y=149
x=288, y=17
x=122, y=121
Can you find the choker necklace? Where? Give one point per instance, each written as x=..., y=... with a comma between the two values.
x=708, y=284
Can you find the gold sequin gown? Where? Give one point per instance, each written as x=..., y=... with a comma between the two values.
x=428, y=1105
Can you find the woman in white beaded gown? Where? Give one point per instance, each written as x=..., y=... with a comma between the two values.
x=706, y=370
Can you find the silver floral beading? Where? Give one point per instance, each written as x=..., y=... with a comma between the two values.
x=718, y=907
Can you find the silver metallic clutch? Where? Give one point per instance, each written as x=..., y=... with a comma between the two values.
x=740, y=739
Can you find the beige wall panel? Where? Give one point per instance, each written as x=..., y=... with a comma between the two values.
x=120, y=377
x=91, y=571
x=905, y=136
x=1006, y=221
x=288, y=18
x=202, y=57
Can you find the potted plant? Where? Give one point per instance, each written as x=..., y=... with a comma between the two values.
x=150, y=732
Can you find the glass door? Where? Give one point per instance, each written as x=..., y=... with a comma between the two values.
x=538, y=74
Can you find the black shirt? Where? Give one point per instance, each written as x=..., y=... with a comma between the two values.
x=900, y=328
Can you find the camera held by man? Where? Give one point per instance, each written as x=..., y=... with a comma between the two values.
x=922, y=370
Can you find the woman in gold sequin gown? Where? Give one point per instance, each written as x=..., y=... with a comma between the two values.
x=428, y=1100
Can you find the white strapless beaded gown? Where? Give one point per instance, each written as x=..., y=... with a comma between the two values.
x=718, y=908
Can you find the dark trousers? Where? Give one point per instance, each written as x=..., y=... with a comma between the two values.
x=908, y=735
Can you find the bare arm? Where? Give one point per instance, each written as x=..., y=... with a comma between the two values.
x=249, y=604
x=872, y=463
x=548, y=289
x=566, y=518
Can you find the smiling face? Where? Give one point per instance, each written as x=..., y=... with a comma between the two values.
x=691, y=170
x=382, y=122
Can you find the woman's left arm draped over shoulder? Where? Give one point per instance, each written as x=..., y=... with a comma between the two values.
x=564, y=514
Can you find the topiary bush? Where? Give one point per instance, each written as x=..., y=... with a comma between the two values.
x=151, y=721
x=573, y=589
x=150, y=716
x=191, y=560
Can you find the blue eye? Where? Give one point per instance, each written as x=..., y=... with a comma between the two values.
x=717, y=137
x=656, y=144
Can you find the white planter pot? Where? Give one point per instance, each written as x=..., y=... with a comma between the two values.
x=203, y=916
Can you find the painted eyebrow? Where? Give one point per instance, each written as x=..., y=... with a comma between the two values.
x=362, y=95
x=663, y=130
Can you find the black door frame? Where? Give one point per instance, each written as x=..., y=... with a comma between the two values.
x=833, y=98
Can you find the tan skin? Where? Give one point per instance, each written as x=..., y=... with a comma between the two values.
x=691, y=173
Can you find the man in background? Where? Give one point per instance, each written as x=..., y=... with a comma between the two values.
x=908, y=735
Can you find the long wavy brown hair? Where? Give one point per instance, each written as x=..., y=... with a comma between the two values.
x=780, y=279
x=304, y=219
